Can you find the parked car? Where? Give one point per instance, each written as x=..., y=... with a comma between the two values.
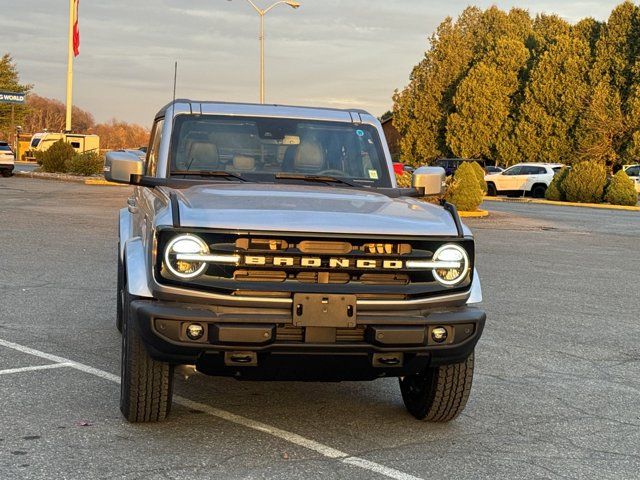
x=398, y=168
x=265, y=242
x=489, y=169
x=522, y=179
x=633, y=171
x=450, y=165
x=7, y=159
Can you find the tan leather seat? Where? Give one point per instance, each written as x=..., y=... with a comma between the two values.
x=203, y=156
x=242, y=163
x=309, y=157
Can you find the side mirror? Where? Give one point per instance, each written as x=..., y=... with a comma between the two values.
x=429, y=180
x=120, y=165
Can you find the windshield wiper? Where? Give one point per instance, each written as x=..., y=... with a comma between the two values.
x=204, y=173
x=314, y=178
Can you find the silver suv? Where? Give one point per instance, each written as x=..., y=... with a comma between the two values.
x=271, y=242
x=7, y=159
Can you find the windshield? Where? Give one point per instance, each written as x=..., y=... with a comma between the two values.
x=258, y=149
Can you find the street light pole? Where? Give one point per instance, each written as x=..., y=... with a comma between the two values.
x=262, y=13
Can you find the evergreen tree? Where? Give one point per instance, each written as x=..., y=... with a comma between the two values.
x=483, y=101
x=547, y=29
x=589, y=30
x=600, y=127
x=10, y=81
x=616, y=60
x=554, y=99
x=421, y=109
x=617, y=49
x=510, y=88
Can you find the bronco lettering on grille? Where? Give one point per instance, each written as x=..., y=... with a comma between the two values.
x=315, y=262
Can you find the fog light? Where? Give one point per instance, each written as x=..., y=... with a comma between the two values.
x=439, y=334
x=195, y=331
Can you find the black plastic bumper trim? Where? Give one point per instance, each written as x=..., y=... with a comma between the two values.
x=143, y=313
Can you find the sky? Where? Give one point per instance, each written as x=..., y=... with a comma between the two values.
x=333, y=53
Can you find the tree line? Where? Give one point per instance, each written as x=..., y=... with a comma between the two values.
x=40, y=113
x=508, y=87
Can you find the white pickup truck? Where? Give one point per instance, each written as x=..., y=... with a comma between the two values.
x=523, y=179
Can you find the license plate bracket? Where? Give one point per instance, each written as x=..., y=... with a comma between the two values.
x=321, y=310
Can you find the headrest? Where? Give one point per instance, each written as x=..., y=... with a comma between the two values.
x=201, y=150
x=202, y=156
x=242, y=163
x=309, y=156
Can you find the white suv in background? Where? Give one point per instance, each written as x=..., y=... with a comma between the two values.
x=7, y=159
x=522, y=179
x=634, y=174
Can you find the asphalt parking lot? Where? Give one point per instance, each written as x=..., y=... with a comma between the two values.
x=556, y=392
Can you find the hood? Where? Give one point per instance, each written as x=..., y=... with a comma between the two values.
x=294, y=208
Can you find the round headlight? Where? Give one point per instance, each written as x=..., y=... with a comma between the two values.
x=185, y=245
x=457, y=257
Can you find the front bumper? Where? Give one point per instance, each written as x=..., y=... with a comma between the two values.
x=263, y=344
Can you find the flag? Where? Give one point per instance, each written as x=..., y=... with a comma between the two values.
x=76, y=29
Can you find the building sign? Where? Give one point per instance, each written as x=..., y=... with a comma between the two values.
x=11, y=97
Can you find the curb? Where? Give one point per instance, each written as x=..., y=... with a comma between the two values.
x=98, y=181
x=61, y=177
x=50, y=176
x=604, y=206
x=476, y=214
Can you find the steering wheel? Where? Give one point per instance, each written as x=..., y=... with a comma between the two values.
x=331, y=172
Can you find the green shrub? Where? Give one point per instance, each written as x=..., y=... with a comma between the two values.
x=585, y=182
x=465, y=191
x=89, y=163
x=55, y=159
x=38, y=156
x=621, y=190
x=556, y=188
x=480, y=173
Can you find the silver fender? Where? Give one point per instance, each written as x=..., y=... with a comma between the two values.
x=135, y=262
x=476, y=289
x=124, y=229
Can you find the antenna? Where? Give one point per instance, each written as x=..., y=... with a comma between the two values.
x=175, y=79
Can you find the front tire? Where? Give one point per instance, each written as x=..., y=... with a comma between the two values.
x=146, y=385
x=440, y=393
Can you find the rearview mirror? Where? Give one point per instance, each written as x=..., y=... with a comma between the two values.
x=120, y=165
x=429, y=180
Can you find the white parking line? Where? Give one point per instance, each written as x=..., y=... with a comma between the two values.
x=290, y=437
x=34, y=368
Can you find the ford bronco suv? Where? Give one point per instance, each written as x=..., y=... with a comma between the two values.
x=265, y=242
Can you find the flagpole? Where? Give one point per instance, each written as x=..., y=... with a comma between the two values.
x=70, y=67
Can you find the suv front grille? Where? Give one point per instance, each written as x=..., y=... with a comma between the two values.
x=285, y=264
